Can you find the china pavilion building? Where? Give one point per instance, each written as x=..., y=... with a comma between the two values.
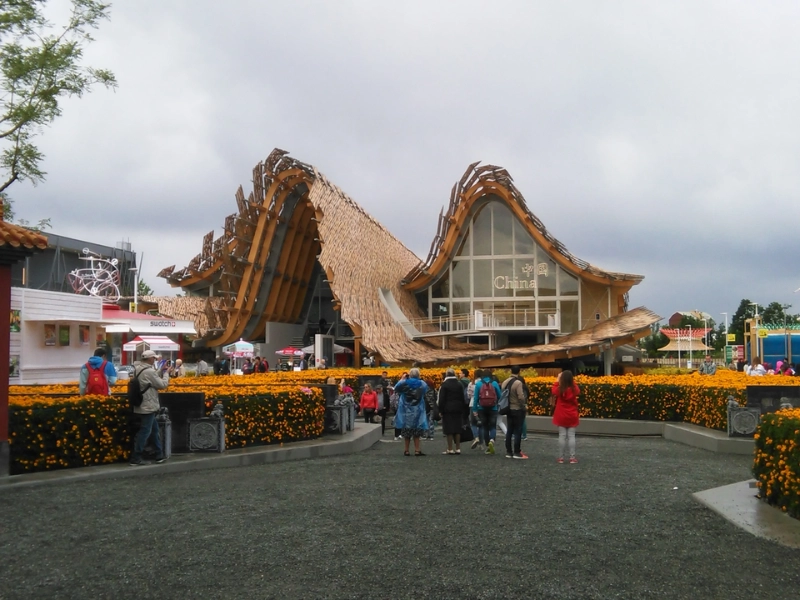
x=496, y=288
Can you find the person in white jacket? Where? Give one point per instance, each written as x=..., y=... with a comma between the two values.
x=150, y=381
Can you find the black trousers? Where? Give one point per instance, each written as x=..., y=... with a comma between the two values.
x=515, y=420
x=369, y=414
x=382, y=414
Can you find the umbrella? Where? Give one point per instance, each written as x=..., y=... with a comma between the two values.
x=156, y=343
x=289, y=351
x=239, y=349
x=337, y=349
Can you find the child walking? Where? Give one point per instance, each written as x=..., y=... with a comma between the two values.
x=565, y=397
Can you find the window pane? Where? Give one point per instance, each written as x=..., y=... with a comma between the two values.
x=461, y=308
x=461, y=287
x=547, y=312
x=482, y=232
x=546, y=275
x=463, y=248
x=441, y=289
x=440, y=309
x=525, y=270
x=502, y=228
x=523, y=242
x=504, y=279
x=569, y=316
x=482, y=276
x=525, y=313
x=567, y=282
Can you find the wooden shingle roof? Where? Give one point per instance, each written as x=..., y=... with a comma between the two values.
x=185, y=308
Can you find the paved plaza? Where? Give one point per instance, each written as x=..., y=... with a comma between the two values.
x=620, y=524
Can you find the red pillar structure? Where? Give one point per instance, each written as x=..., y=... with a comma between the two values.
x=15, y=244
x=5, y=341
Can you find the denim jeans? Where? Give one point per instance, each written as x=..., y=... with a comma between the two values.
x=488, y=419
x=148, y=429
x=515, y=420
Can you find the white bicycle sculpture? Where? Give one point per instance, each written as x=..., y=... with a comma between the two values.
x=101, y=279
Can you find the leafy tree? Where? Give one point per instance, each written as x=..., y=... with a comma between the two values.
x=718, y=337
x=744, y=312
x=774, y=314
x=144, y=289
x=687, y=320
x=40, y=65
x=654, y=341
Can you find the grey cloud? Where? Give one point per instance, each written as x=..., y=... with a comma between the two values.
x=651, y=138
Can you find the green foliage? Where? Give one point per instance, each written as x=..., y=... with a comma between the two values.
x=775, y=314
x=777, y=460
x=653, y=342
x=144, y=289
x=83, y=431
x=637, y=399
x=40, y=65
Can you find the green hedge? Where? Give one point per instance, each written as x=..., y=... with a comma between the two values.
x=776, y=466
x=73, y=432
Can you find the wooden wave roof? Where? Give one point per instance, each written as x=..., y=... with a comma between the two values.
x=295, y=223
x=476, y=183
x=184, y=308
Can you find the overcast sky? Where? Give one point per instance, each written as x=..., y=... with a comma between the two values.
x=651, y=138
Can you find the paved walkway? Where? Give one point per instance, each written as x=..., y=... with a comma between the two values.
x=621, y=524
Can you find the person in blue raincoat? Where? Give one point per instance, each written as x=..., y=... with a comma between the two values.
x=411, y=418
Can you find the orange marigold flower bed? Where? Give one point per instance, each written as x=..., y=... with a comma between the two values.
x=776, y=465
x=52, y=427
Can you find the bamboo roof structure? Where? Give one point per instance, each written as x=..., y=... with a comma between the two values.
x=465, y=197
x=296, y=225
x=184, y=308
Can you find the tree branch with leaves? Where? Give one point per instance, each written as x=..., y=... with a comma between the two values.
x=40, y=65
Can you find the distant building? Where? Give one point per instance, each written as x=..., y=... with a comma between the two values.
x=675, y=319
x=48, y=270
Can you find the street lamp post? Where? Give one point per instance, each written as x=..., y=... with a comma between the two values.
x=135, y=289
x=689, y=363
x=726, y=336
x=758, y=350
x=705, y=333
x=787, y=347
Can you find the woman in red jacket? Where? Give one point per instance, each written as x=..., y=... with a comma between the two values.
x=369, y=403
x=565, y=417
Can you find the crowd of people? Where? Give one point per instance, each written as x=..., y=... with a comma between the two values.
x=469, y=410
x=783, y=367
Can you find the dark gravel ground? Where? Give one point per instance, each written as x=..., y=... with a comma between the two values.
x=379, y=525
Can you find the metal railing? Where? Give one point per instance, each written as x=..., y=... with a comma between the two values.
x=483, y=320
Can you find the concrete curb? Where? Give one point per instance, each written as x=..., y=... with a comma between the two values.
x=684, y=433
x=364, y=436
x=737, y=503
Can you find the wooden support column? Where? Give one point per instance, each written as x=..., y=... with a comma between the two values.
x=357, y=353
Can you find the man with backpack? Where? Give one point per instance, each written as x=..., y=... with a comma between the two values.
x=143, y=396
x=484, y=408
x=517, y=407
x=97, y=375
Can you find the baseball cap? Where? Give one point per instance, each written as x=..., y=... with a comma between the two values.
x=149, y=354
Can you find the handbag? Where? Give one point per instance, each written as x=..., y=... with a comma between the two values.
x=466, y=432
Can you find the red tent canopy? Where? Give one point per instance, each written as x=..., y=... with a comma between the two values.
x=289, y=351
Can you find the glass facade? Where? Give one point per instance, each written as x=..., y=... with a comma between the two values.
x=499, y=267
